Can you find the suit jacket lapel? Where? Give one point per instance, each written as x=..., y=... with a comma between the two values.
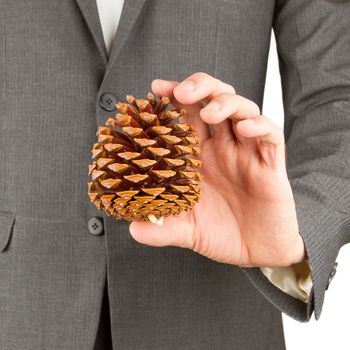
x=130, y=11
x=89, y=11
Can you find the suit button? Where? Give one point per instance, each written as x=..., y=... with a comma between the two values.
x=95, y=226
x=332, y=274
x=108, y=101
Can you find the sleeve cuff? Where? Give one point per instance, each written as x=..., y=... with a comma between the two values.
x=294, y=280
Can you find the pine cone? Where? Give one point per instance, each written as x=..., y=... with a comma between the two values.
x=145, y=163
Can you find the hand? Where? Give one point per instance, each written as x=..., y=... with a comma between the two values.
x=246, y=215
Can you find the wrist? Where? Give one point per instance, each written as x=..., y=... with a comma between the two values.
x=299, y=251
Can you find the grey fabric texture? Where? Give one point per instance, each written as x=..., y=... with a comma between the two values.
x=313, y=41
x=53, y=70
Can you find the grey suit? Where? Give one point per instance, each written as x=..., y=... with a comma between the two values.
x=53, y=70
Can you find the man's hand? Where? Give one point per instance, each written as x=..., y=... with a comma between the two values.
x=246, y=215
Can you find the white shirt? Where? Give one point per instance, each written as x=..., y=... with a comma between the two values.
x=109, y=12
x=296, y=280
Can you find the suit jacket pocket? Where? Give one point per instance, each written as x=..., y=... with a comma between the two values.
x=7, y=220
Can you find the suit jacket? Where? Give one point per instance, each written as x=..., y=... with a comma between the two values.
x=53, y=71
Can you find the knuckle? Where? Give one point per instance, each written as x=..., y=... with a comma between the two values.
x=204, y=75
x=200, y=76
x=278, y=132
x=250, y=105
x=225, y=96
x=255, y=107
x=229, y=88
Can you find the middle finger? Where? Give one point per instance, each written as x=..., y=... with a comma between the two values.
x=229, y=108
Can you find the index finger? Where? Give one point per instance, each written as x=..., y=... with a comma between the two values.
x=165, y=88
x=200, y=87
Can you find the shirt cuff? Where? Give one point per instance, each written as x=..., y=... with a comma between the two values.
x=294, y=280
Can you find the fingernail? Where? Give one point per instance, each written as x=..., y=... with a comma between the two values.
x=213, y=106
x=188, y=85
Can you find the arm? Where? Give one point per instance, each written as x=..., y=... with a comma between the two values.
x=313, y=41
x=273, y=203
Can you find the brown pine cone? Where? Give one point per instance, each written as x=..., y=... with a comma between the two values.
x=145, y=163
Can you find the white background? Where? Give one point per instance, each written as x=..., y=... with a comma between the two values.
x=332, y=330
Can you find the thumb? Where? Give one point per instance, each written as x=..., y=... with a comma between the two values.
x=175, y=231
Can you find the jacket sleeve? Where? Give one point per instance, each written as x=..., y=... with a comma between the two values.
x=313, y=44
